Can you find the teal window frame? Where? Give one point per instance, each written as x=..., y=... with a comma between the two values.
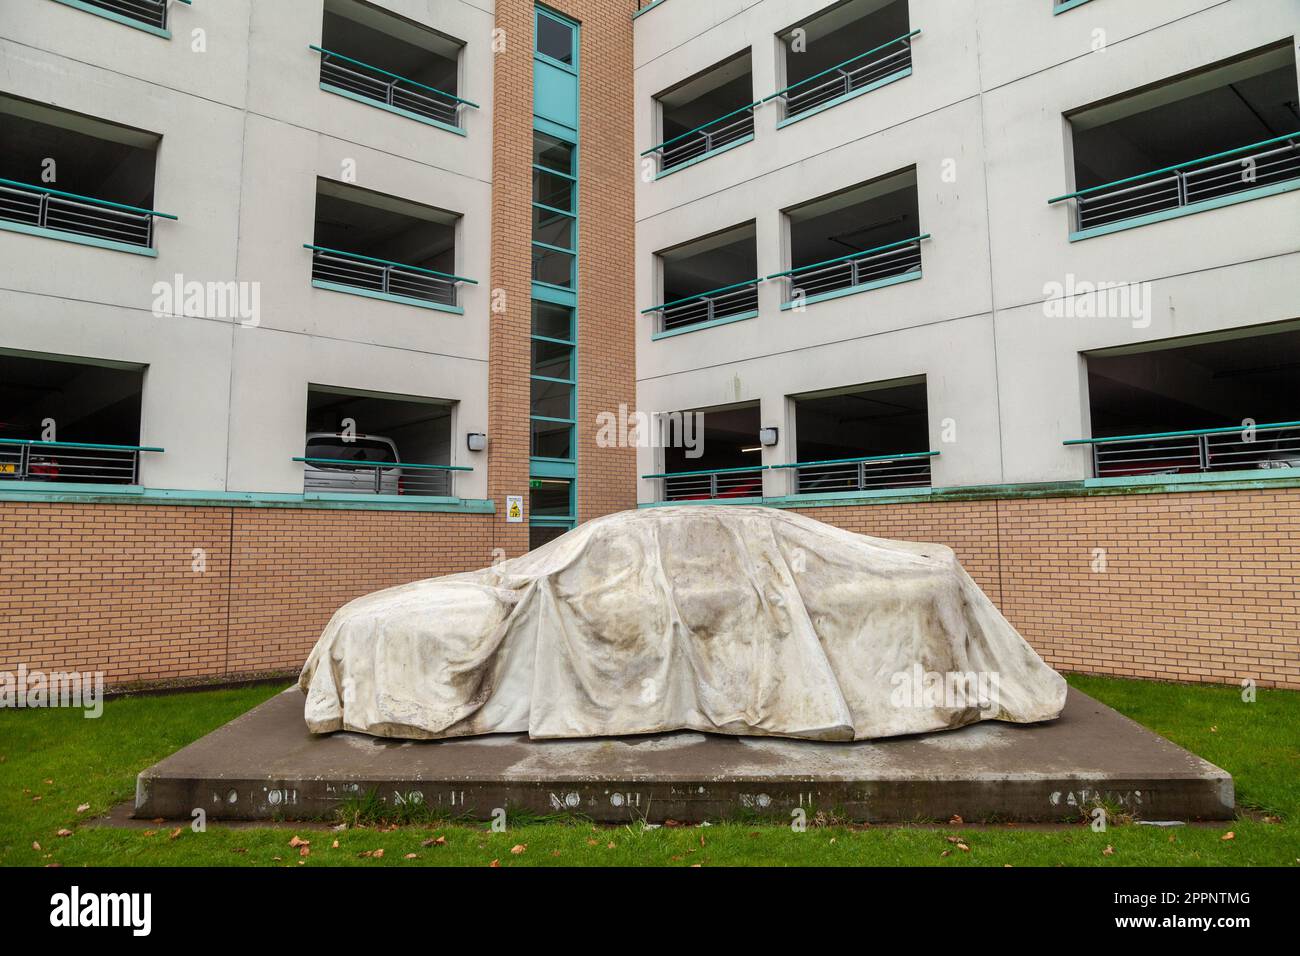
x=563, y=296
x=573, y=26
x=571, y=212
x=571, y=419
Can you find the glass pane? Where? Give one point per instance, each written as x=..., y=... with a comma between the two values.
x=552, y=440
x=553, y=321
x=553, y=191
x=555, y=39
x=552, y=360
x=550, y=496
x=555, y=268
x=540, y=534
x=552, y=228
x=552, y=399
x=553, y=153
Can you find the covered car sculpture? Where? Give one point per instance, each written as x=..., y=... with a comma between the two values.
x=718, y=618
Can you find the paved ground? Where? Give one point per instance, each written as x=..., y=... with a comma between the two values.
x=265, y=765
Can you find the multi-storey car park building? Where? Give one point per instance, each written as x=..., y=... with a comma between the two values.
x=304, y=298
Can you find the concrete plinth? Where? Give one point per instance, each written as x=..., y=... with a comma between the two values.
x=265, y=765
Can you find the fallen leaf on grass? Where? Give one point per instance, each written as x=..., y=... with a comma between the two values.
x=83, y=807
x=434, y=841
x=612, y=844
x=64, y=833
x=1228, y=836
x=956, y=820
x=334, y=845
x=945, y=853
x=1109, y=851
x=593, y=843
x=411, y=856
x=304, y=850
x=521, y=847
x=150, y=832
x=963, y=847
x=239, y=849
x=36, y=846
x=174, y=834
x=496, y=863
x=297, y=842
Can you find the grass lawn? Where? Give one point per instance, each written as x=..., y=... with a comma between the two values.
x=53, y=762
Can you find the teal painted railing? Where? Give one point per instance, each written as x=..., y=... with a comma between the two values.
x=390, y=89
x=856, y=73
x=151, y=13
x=1248, y=167
x=347, y=476
x=644, y=6
x=1230, y=448
x=743, y=482
x=24, y=459
x=705, y=139
x=724, y=302
x=45, y=208
x=384, y=276
x=854, y=269
x=873, y=472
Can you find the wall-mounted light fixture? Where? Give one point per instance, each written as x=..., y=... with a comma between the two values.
x=476, y=441
x=768, y=436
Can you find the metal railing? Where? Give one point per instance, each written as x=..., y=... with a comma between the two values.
x=892, y=58
x=704, y=139
x=61, y=211
x=390, y=89
x=150, y=12
x=63, y=462
x=728, y=301
x=1238, y=170
x=855, y=269
x=711, y=483
x=344, y=476
x=381, y=275
x=1236, y=448
x=908, y=470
